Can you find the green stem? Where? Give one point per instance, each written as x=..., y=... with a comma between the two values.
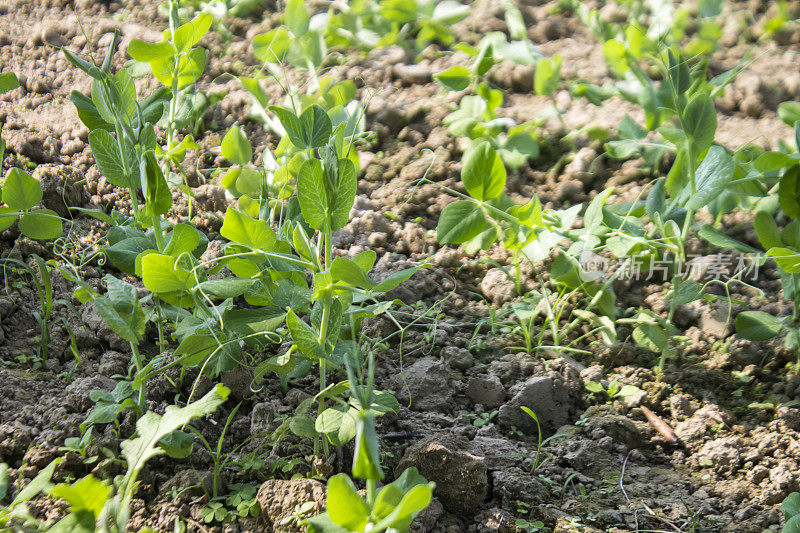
x=371, y=483
x=323, y=332
x=157, y=231
x=138, y=361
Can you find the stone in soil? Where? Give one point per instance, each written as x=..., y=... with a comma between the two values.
x=278, y=498
x=540, y=395
x=460, y=476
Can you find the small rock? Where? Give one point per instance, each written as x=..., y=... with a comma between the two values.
x=497, y=287
x=418, y=74
x=723, y=455
x=62, y=187
x=427, y=518
x=278, y=498
x=427, y=385
x=459, y=358
x=210, y=197
x=77, y=393
x=486, y=390
x=550, y=403
x=461, y=477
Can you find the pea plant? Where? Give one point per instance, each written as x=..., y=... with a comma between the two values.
x=700, y=177
x=370, y=24
x=94, y=504
x=485, y=216
x=390, y=508
x=782, y=245
x=8, y=82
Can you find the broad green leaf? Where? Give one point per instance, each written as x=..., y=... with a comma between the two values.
x=161, y=275
x=414, y=501
x=241, y=229
x=296, y=17
x=757, y=325
x=345, y=194
x=235, y=147
x=190, y=68
x=484, y=174
x=8, y=82
x=722, y=240
x=656, y=200
x=107, y=156
x=460, y=222
x=38, y=484
x=226, y=287
x=789, y=112
x=700, y=119
x=788, y=260
x=271, y=47
x=345, y=506
x=304, y=337
x=189, y=34
x=393, y=280
x=178, y=444
x=158, y=198
x=687, y=291
x=151, y=428
x=789, y=192
x=123, y=254
x=650, y=336
x=348, y=271
x=312, y=195
x=311, y=129
x=21, y=191
x=87, y=494
x=767, y=230
x=456, y=78
x=183, y=239
x=147, y=52
x=40, y=224
x=194, y=349
x=712, y=177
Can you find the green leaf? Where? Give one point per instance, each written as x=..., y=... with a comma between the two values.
x=312, y=195
x=235, y=147
x=722, y=240
x=788, y=260
x=151, y=428
x=87, y=494
x=183, y=239
x=700, y=118
x=757, y=325
x=41, y=224
x=271, y=47
x=158, y=199
x=687, y=291
x=107, y=156
x=547, y=75
x=311, y=130
x=366, y=456
x=712, y=177
x=225, y=288
x=189, y=34
x=789, y=112
x=241, y=229
x=194, y=349
x=414, y=501
x=393, y=280
x=789, y=192
x=21, y=191
x=88, y=113
x=484, y=174
x=123, y=254
x=8, y=82
x=345, y=506
x=456, y=78
x=296, y=16
x=177, y=444
x=347, y=271
x=460, y=222
x=791, y=505
x=767, y=230
x=147, y=52
x=304, y=337
x=650, y=336
x=161, y=275
x=345, y=195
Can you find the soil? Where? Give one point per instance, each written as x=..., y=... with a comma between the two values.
x=459, y=382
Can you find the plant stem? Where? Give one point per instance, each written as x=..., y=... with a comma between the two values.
x=139, y=363
x=323, y=333
x=371, y=492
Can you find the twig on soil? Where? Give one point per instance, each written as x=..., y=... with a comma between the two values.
x=661, y=426
x=647, y=508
